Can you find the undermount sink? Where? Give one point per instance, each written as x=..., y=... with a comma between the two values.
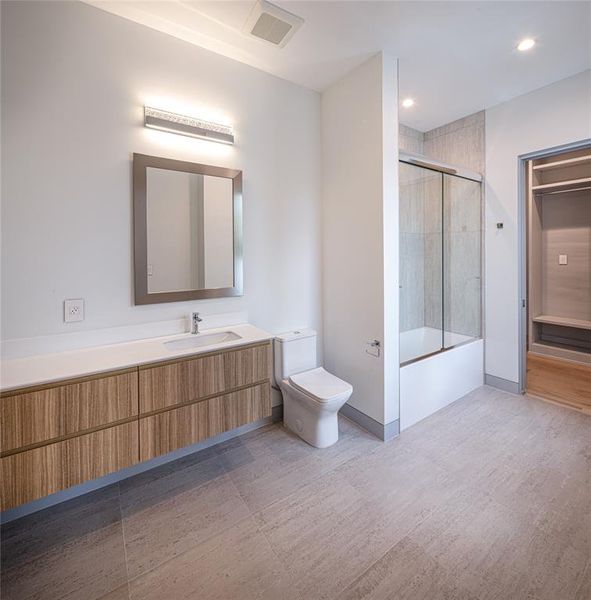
x=199, y=340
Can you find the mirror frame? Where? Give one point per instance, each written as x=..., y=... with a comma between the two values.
x=140, y=231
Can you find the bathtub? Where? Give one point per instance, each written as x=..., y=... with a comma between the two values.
x=431, y=383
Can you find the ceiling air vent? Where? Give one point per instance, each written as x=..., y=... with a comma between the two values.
x=271, y=23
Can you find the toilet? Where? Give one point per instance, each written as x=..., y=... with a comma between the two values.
x=312, y=397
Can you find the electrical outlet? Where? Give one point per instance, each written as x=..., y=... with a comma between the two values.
x=74, y=310
x=563, y=259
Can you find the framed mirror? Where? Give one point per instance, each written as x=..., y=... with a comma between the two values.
x=187, y=221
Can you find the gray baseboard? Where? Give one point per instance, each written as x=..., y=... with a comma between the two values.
x=101, y=482
x=383, y=432
x=502, y=384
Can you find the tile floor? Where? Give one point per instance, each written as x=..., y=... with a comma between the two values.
x=488, y=499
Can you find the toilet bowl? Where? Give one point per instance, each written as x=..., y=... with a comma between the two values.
x=312, y=397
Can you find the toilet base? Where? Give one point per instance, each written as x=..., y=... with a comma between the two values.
x=319, y=426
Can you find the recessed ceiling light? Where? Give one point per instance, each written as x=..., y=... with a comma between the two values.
x=526, y=44
x=408, y=102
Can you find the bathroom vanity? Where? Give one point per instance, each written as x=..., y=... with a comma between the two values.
x=74, y=416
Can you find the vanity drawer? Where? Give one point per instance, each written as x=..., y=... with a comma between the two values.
x=51, y=412
x=180, y=427
x=35, y=473
x=187, y=380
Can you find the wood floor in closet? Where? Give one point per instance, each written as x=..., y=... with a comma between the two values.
x=559, y=380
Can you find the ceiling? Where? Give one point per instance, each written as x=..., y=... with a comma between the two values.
x=456, y=58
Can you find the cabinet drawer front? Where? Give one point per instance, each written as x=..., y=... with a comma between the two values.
x=179, y=427
x=35, y=473
x=41, y=415
x=186, y=381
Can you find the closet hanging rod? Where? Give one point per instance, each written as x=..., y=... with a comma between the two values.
x=559, y=164
x=559, y=185
x=543, y=193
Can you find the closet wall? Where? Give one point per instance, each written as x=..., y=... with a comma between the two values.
x=559, y=277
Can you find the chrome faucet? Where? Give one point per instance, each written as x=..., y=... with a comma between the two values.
x=195, y=320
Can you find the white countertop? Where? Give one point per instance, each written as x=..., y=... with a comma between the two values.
x=46, y=368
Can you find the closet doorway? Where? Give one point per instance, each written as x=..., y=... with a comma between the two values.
x=557, y=310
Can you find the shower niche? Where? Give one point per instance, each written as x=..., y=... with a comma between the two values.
x=440, y=257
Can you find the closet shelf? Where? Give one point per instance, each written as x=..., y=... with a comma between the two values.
x=569, y=162
x=563, y=321
x=562, y=186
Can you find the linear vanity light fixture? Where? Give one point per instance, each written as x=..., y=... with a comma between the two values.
x=155, y=118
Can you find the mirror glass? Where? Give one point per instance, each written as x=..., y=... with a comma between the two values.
x=190, y=233
x=187, y=230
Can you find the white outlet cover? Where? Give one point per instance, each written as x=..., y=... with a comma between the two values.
x=563, y=259
x=74, y=310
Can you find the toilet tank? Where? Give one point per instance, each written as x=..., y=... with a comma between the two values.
x=295, y=351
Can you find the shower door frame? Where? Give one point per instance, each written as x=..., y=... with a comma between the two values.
x=417, y=160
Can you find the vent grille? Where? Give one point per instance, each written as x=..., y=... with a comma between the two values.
x=271, y=29
x=272, y=24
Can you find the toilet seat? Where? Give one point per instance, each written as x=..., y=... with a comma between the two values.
x=321, y=386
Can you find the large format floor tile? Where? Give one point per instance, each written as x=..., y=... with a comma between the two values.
x=269, y=466
x=488, y=499
x=74, y=551
x=176, y=507
x=238, y=563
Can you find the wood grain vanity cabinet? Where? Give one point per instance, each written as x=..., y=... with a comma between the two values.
x=200, y=386
x=173, y=429
x=36, y=473
x=44, y=413
x=62, y=434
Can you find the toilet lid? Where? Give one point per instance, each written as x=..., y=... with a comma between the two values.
x=321, y=384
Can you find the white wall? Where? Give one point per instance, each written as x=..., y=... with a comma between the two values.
x=554, y=115
x=74, y=83
x=360, y=233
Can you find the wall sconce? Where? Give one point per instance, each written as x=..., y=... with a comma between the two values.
x=155, y=118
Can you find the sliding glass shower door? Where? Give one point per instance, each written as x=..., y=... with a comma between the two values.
x=440, y=261
x=421, y=262
x=462, y=260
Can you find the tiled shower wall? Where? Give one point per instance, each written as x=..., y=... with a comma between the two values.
x=410, y=140
x=460, y=143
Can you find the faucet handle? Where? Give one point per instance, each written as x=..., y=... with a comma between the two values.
x=195, y=316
